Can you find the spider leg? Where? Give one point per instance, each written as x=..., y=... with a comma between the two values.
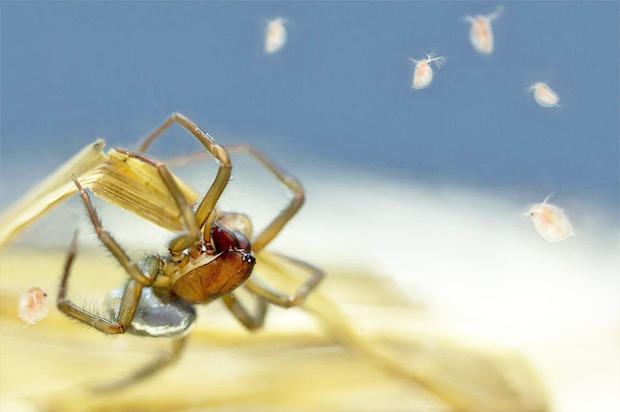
x=276, y=225
x=151, y=368
x=182, y=242
x=108, y=241
x=270, y=232
x=282, y=299
x=223, y=174
x=250, y=321
x=129, y=302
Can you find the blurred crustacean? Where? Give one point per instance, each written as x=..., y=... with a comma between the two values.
x=481, y=32
x=544, y=95
x=275, y=35
x=33, y=306
x=550, y=222
x=213, y=256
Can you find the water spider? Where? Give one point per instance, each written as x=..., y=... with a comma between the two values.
x=213, y=256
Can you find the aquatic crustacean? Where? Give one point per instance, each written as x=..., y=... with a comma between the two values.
x=544, y=95
x=275, y=35
x=550, y=222
x=423, y=72
x=481, y=32
x=33, y=306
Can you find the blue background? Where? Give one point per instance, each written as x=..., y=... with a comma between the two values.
x=338, y=95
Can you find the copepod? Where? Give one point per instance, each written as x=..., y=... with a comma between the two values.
x=423, y=72
x=275, y=36
x=550, y=222
x=32, y=305
x=544, y=95
x=481, y=33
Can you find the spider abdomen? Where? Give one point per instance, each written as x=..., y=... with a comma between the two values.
x=154, y=317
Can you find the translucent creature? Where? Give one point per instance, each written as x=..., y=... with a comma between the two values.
x=550, y=222
x=544, y=95
x=481, y=33
x=275, y=36
x=33, y=306
x=423, y=72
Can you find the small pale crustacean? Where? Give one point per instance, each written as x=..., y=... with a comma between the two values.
x=33, y=305
x=275, y=36
x=544, y=95
x=550, y=222
x=423, y=72
x=481, y=32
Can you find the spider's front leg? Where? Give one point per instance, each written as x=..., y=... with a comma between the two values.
x=131, y=295
x=207, y=205
x=129, y=302
x=192, y=235
x=108, y=241
x=278, y=223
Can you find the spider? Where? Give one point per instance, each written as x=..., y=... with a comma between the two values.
x=213, y=256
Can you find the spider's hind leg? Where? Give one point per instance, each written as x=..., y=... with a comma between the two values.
x=281, y=299
x=207, y=204
x=129, y=302
x=247, y=319
x=148, y=370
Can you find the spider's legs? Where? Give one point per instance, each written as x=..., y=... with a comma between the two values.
x=108, y=241
x=182, y=242
x=279, y=298
x=289, y=181
x=129, y=302
x=250, y=321
x=263, y=238
x=146, y=371
x=223, y=174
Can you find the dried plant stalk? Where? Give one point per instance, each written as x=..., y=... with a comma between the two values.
x=137, y=187
x=50, y=191
x=126, y=182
